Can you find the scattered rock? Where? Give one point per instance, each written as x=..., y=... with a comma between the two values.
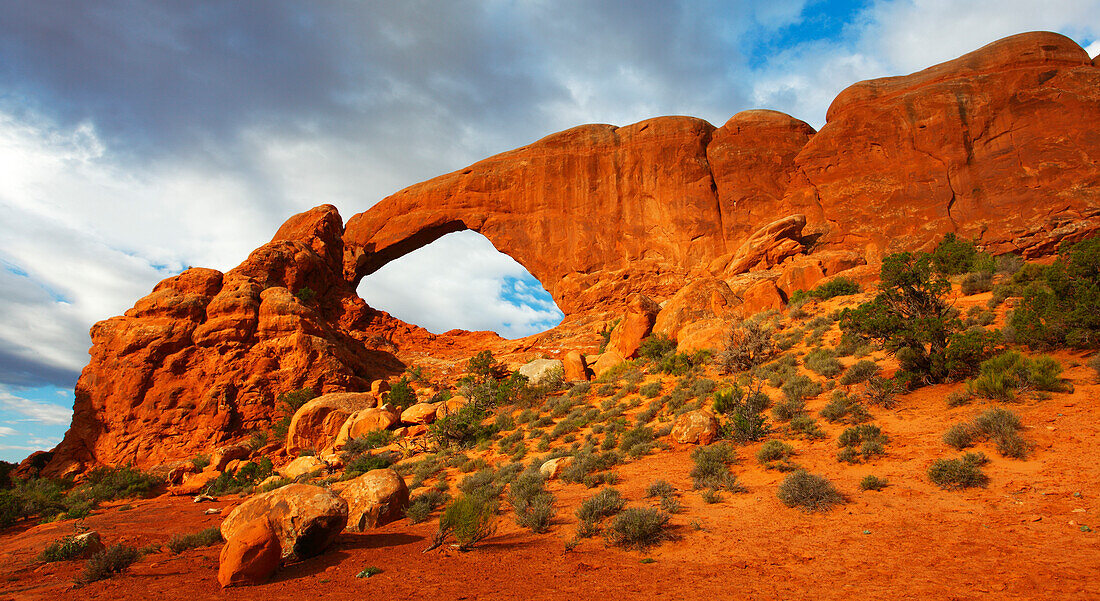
x=378, y=387
x=203, y=499
x=452, y=405
x=695, y=427
x=91, y=543
x=363, y=422
x=542, y=370
x=251, y=556
x=607, y=360
x=223, y=455
x=553, y=467
x=316, y=424
x=302, y=465
x=761, y=296
x=420, y=413
x=575, y=367
x=193, y=483
x=376, y=498
x=627, y=337
x=305, y=518
x=212, y=511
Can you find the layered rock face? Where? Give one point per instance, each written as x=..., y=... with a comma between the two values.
x=1000, y=145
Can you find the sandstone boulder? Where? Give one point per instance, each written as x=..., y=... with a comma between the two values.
x=695, y=427
x=627, y=336
x=761, y=296
x=420, y=413
x=316, y=424
x=90, y=542
x=193, y=483
x=363, y=422
x=766, y=247
x=305, y=518
x=301, y=466
x=702, y=299
x=542, y=371
x=452, y=405
x=575, y=367
x=550, y=469
x=223, y=455
x=706, y=334
x=610, y=358
x=376, y=498
x=251, y=556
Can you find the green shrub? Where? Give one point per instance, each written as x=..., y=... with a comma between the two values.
x=823, y=362
x=788, y=409
x=531, y=502
x=711, y=469
x=861, y=442
x=960, y=436
x=469, y=519
x=203, y=538
x=806, y=426
x=287, y=404
x=743, y=412
x=1061, y=303
x=605, y=503
x=243, y=479
x=774, y=450
x=461, y=429
x=958, y=398
x=911, y=318
x=844, y=408
x=637, y=441
x=650, y=390
x=838, y=286
x=964, y=472
x=586, y=463
x=369, y=571
x=880, y=392
x=999, y=377
x=748, y=344
x=872, y=483
x=808, y=491
x=638, y=528
x=112, y=560
x=422, y=505
x=66, y=548
x=859, y=372
x=800, y=388
x=954, y=256
x=656, y=346
x=976, y=283
x=679, y=364
x=305, y=294
x=659, y=488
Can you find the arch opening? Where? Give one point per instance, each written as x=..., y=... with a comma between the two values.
x=462, y=281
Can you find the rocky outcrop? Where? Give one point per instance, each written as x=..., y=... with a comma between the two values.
x=376, y=498
x=251, y=556
x=998, y=145
x=305, y=518
x=695, y=427
x=316, y=424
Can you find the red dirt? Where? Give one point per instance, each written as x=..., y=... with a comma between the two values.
x=1020, y=538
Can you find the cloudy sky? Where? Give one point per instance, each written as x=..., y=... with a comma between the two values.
x=140, y=137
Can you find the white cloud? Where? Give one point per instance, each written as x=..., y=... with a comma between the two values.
x=457, y=282
x=34, y=411
x=1093, y=49
x=6, y=431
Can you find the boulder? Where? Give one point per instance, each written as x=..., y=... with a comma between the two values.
x=550, y=469
x=420, y=413
x=223, y=455
x=316, y=424
x=761, y=296
x=627, y=336
x=452, y=405
x=376, y=498
x=193, y=483
x=701, y=335
x=702, y=299
x=801, y=274
x=90, y=542
x=542, y=371
x=575, y=367
x=305, y=518
x=766, y=247
x=301, y=466
x=610, y=358
x=695, y=427
x=363, y=422
x=251, y=556
x=378, y=387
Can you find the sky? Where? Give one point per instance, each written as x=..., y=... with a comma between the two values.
x=141, y=137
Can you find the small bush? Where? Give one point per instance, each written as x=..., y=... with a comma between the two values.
x=605, y=503
x=533, y=505
x=748, y=344
x=112, y=560
x=287, y=404
x=203, y=538
x=800, y=388
x=656, y=346
x=369, y=571
x=712, y=467
x=638, y=528
x=823, y=362
x=774, y=450
x=786, y=410
x=659, y=488
x=964, y=472
x=422, y=505
x=843, y=408
x=650, y=390
x=637, y=441
x=861, y=442
x=470, y=519
x=66, y=548
x=838, y=286
x=959, y=436
x=806, y=426
x=999, y=377
x=859, y=372
x=880, y=392
x=958, y=398
x=808, y=491
x=976, y=283
x=872, y=483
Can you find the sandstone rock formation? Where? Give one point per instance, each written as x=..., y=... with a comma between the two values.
x=305, y=518
x=695, y=427
x=316, y=424
x=251, y=556
x=999, y=145
x=376, y=498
